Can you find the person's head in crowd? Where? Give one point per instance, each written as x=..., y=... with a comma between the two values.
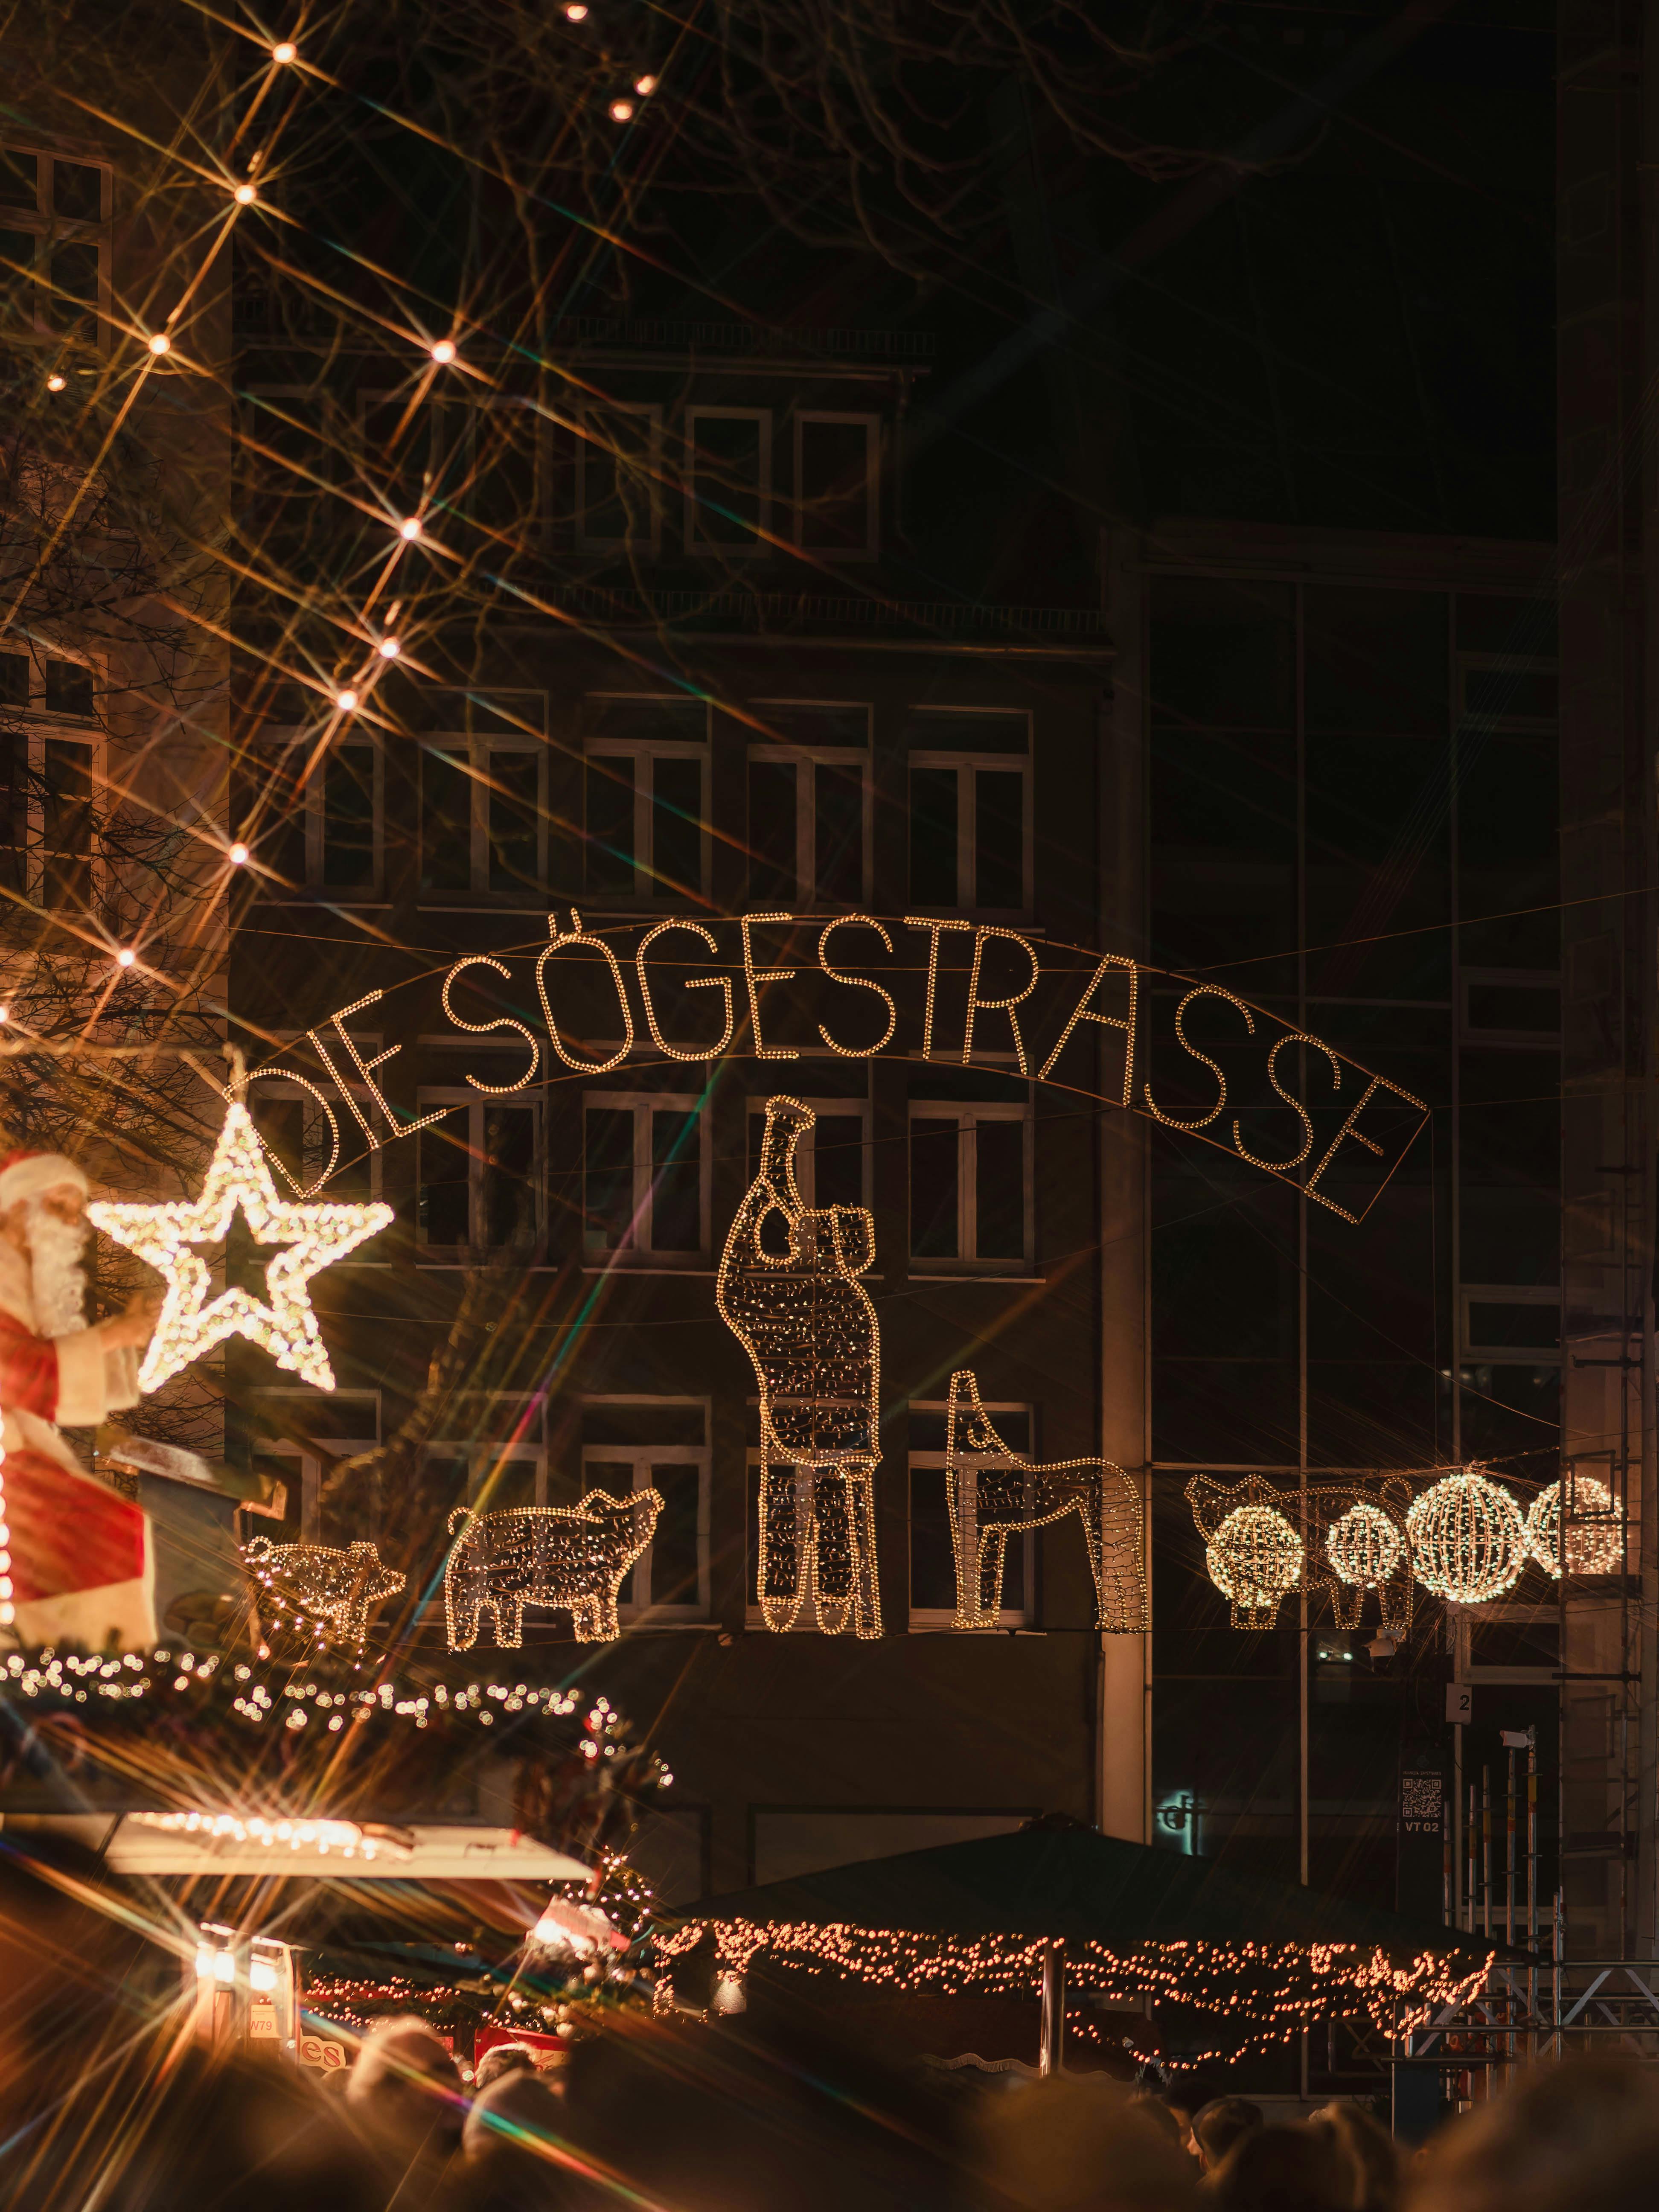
x=1218, y=2125
x=1080, y=2144
x=405, y=2092
x=1272, y=2169
x=502, y=2059
x=1583, y=2136
x=505, y=2143
x=775, y=2110
x=1369, y=2151
x=1155, y=2110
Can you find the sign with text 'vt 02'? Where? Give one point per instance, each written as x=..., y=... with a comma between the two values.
x=934, y=991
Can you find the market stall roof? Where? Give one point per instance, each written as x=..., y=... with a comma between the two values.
x=1055, y=1880
x=147, y=1843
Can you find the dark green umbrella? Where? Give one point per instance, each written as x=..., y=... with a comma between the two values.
x=1120, y=1914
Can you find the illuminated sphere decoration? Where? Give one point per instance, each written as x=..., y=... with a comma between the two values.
x=1593, y=1548
x=1468, y=1539
x=1364, y=1546
x=1254, y=1558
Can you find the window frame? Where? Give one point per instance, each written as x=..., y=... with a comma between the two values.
x=274, y=744
x=41, y=726
x=599, y=1258
x=968, y=1114
x=445, y=1098
x=931, y=1618
x=967, y=766
x=759, y=544
x=1547, y=1296
x=870, y=549
x=481, y=1455
x=808, y=898
x=476, y=748
x=48, y=230
x=645, y=892
x=633, y=1612
x=585, y=419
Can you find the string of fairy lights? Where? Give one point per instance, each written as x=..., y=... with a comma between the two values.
x=1267, y=1993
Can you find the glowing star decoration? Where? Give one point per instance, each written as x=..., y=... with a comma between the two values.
x=788, y=1290
x=1467, y=1537
x=1594, y=1534
x=191, y=1322
x=990, y=1502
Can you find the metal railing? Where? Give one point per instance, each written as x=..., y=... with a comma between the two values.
x=1526, y=2012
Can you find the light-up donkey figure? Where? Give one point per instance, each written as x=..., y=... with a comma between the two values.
x=788, y=1289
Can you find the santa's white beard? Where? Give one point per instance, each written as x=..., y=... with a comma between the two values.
x=60, y=1280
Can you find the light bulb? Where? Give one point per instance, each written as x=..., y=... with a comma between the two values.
x=576, y=12
x=125, y=956
x=238, y=855
x=160, y=343
x=645, y=86
x=621, y=111
x=244, y=196
x=55, y=383
x=286, y=52
x=345, y=701
x=389, y=649
x=5, y=1013
x=409, y=530
x=444, y=351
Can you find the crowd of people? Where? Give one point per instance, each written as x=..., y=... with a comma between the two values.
x=106, y=2100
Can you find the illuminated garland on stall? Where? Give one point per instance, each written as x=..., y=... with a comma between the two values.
x=76, y=1680
x=1273, y=1991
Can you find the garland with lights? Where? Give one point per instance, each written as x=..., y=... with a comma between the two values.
x=1267, y=1993
x=274, y=1742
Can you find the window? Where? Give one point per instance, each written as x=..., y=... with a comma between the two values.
x=933, y=1556
x=970, y=813
x=837, y=483
x=317, y=824
x=645, y=1178
x=301, y=1463
x=647, y=803
x=728, y=478
x=832, y=1159
x=493, y=1450
x=809, y=806
x=1507, y=1324
x=479, y=1189
x=1517, y=1007
x=53, y=773
x=483, y=801
x=618, y=463
x=54, y=245
x=661, y=1445
x=971, y=1186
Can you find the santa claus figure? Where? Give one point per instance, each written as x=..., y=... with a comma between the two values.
x=81, y=1559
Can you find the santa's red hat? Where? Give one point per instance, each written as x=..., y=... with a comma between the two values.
x=26, y=1175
